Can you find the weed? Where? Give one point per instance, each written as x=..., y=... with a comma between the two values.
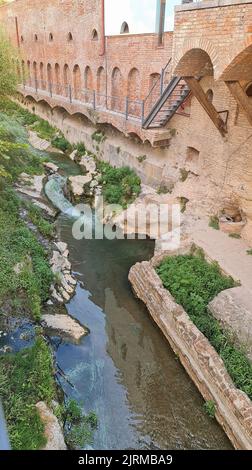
x=25, y=379
x=210, y=408
x=98, y=137
x=235, y=235
x=120, y=185
x=183, y=174
x=194, y=283
x=214, y=222
x=141, y=158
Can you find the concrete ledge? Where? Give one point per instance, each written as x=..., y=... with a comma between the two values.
x=203, y=5
x=201, y=361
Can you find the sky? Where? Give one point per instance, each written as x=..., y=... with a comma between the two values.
x=139, y=14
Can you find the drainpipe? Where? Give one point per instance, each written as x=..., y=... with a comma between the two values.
x=17, y=32
x=160, y=20
x=102, y=28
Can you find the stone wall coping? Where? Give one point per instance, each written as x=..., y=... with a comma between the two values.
x=203, y=5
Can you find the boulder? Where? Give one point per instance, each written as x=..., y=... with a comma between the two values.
x=89, y=163
x=53, y=429
x=51, y=167
x=72, y=155
x=78, y=183
x=233, y=309
x=37, y=143
x=64, y=325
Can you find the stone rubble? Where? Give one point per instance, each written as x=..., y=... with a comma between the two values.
x=65, y=326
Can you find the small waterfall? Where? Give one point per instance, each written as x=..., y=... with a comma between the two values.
x=54, y=191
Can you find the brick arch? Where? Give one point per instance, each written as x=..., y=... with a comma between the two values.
x=195, y=63
x=35, y=72
x=49, y=76
x=77, y=82
x=66, y=80
x=116, y=89
x=133, y=91
x=240, y=66
x=57, y=82
x=101, y=86
x=88, y=84
x=29, y=72
x=201, y=44
x=41, y=75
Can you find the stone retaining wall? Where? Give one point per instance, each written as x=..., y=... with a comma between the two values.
x=201, y=361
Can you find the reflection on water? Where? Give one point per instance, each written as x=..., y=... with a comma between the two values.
x=125, y=369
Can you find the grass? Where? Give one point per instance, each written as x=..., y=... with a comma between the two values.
x=214, y=222
x=30, y=283
x=42, y=127
x=19, y=247
x=210, y=408
x=235, y=235
x=98, y=137
x=194, y=283
x=46, y=228
x=25, y=379
x=120, y=185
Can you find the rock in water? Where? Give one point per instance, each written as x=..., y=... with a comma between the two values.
x=53, y=430
x=64, y=325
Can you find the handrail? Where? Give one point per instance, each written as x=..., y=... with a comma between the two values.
x=126, y=106
x=152, y=88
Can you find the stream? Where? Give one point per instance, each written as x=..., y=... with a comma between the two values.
x=124, y=369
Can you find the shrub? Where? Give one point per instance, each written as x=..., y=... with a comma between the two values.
x=235, y=235
x=98, y=137
x=120, y=185
x=61, y=143
x=25, y=379
x=194, y=283
x=210, y=408
x=214, y=222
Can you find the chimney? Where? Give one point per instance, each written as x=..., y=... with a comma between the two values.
x=160, y=20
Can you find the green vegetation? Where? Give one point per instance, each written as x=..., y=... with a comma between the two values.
x=194, y=283
x=25, y=272
x=141, y=158
x=249, y=252
x=183, y=202
x=61, y=143
x=183, y=174
x=210, y=408
x=120, y=185
x=79, y=428
x=214, y=222
x=235, y=235
x=25, y=379
x=98, y=137
x=164, y=189
x=43, y=129
x=81, y=149
x=8, y=73
x=36, y=216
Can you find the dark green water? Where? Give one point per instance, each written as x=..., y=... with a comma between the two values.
x=124, y=369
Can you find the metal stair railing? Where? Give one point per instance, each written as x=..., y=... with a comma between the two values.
x=161, y=101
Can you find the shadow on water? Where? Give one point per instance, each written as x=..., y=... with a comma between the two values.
x=125, y=369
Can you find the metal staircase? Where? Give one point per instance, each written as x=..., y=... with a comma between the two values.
x=167, y=104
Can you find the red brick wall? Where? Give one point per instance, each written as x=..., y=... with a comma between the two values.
x=80, y=18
